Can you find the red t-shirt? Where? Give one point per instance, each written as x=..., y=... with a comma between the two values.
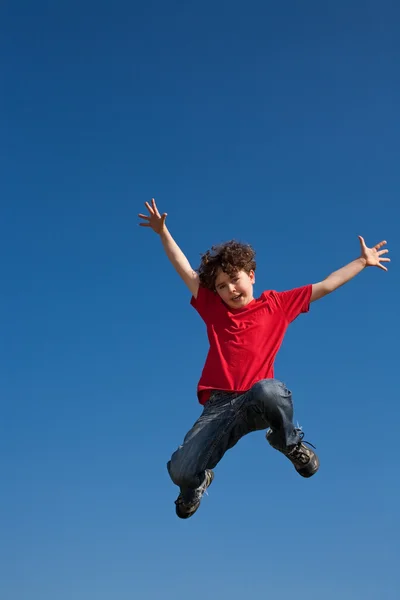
x=245, y=341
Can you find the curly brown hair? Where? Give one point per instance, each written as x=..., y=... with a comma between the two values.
x=231, y=257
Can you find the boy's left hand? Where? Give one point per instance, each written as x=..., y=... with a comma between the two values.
x=373, y=256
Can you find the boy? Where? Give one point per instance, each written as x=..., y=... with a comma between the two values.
x=237, y=387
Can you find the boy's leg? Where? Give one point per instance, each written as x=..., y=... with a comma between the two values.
x=274, y=401
x=202, y=448
x=225, y=419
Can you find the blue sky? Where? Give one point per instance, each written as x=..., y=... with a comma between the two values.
x=274, y=123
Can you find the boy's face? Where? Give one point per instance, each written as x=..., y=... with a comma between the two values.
x=236, y=291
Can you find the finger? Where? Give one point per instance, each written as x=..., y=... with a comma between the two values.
x=144, y=217
x=362, y=242
x=144, y=225
x=154, y=206
x=380, y=244
x=384, y=260
x=163, y=217
x=383, y=252
x=149, y=208
x=382, y=267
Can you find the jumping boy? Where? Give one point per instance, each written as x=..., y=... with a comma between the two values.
x=237, y=387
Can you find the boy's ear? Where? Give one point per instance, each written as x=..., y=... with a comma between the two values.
x=252, y=276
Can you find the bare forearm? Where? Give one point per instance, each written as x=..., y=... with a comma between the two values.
x=156, y=222
x=343, y=275
x=337, y=279
x=174, y=253
x=179, y=261
x=370, y=257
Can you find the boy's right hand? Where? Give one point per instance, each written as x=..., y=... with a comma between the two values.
x=154, y=219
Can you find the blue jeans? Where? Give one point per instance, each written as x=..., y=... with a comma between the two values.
x=227, y=417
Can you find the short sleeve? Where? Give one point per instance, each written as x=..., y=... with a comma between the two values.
x=294, y=302
x=205, y=303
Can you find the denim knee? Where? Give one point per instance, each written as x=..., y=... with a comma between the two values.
x=270, y=391
x=181, y=475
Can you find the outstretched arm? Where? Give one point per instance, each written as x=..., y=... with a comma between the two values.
x=370, y=257
x=179, y=261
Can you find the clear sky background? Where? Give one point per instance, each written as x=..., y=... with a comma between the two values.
x=276, y=123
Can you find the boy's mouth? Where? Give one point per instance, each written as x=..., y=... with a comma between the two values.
x=236, y=298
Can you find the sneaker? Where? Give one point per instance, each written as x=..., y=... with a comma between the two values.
x=305, y=460
x=184, y=511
